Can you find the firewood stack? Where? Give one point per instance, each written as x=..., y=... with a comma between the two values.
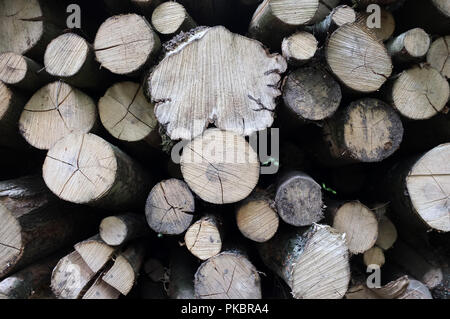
x=182, y=149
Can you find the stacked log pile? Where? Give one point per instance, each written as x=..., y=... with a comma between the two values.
x=135, y=156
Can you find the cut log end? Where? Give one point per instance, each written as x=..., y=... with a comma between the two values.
x=113, y=230
x=54, y=112
x=95, y=253
x=299, y=48
x=13, y=68
x=439, y=55
x=428, y=185
x=368, y=130
x=322, y=270
x=125, y=44
x=359, y=225
x=203, y=238
x=11, y=247
x=298, y=200
x=420, y=92
x=218, y=57
x=80, y=159
x=387, y=233
x=66, y=55
x=374, y=256
x=312, y=94
x=170, y=207
x=227, y=175
x=409, y=46
x=171, y=17
x=257, y=220
x=342, y=15
x=228, y=275
x=126, y=114
x=358, y=59
x=293, y=12
x=18, y=18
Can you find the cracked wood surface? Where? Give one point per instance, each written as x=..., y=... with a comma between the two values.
x=220, y=167
x=439, y=55
x=55, y=111
x=368, y=130
x=314, y=262
x=419, y=93
x=33, y=225
x=126, y=44
x=231, y=81
x=27, y=26
x=357, y=58
x=84, y=168
x=428, y=186
x=22, y=72
x=126, y=113
x=228, y=275
x=203, y=238
x=170, y=207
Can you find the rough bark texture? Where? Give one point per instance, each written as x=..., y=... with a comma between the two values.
x=170, y=207
x=182, y=270
x=109, y=177
x=314, y=262
x=35, y=225
x=232, y=82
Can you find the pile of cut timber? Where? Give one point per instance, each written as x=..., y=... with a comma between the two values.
x=180, y=149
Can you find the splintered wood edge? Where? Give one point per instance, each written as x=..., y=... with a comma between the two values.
x=428, y=186
x=55, y=111
x=101, y=290
x=257, y=220
x=95, y=253
x=420, y=92
x=439, y=55
x=121, y=275
x=373, y=130
x=10, y=240
x=170, y=207
x=115, y=55
x=227, y=275
x=359, y=224
x=20, y=17
x=70, y=276
x=322, y=270
x=13, y=67
x=80, y=168
x=186, y=115
x=203, y=239
x=226, y=177
x=357, y=58
x=125, y=112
